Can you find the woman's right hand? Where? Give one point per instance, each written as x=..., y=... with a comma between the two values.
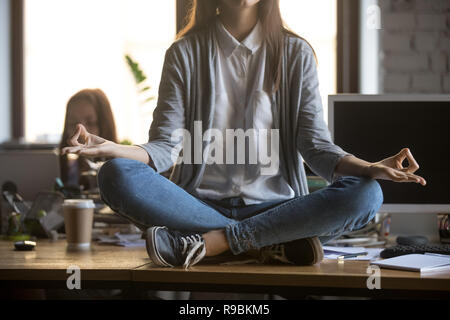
x=89, y=145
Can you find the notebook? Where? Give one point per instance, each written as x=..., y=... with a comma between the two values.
x=416, y=262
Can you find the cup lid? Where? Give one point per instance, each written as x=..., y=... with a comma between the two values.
x=79, y=203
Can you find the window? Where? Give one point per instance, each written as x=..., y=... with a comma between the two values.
x=76, y=44
x=316, y=21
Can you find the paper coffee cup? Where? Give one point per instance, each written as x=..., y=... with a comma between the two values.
x=78, y=219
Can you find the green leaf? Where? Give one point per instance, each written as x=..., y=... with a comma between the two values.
x=126, y=142
x=138, y=74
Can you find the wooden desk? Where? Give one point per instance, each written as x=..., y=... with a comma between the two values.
x=330, y=277
x=112, y=266
x=48, y=263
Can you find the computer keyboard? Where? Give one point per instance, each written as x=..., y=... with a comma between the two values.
x=399, y=250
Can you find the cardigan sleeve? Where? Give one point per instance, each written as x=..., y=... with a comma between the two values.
x=169, y=113
x=314, y=140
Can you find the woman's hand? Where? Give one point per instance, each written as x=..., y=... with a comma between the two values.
x=392, y=168
x=89, y=145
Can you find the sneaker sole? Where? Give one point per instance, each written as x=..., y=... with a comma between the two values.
x=151, y=247
x=317, y=249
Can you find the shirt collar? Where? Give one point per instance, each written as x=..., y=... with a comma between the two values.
x=228, y=43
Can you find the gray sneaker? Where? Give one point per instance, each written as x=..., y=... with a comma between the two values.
x=168, y=248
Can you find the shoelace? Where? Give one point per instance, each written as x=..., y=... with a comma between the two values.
x=191, y=245
x=276, y=252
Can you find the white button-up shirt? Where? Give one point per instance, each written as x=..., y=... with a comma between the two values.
x=241, y=103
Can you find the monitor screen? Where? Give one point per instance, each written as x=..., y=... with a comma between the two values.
x=374, y=130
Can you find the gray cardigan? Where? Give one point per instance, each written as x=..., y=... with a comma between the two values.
x=187, y=94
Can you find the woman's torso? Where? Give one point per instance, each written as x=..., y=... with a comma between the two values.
x=241, y=103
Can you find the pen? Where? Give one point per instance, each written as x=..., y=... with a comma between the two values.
x=352, y=255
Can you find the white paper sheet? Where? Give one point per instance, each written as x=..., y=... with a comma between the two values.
x=416, y=262
x=123, y=240
x=335, y=252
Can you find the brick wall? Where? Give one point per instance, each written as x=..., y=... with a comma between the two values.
x=415, y=46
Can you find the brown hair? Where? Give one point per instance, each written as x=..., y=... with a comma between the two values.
x=203, y=13
x=106, y=124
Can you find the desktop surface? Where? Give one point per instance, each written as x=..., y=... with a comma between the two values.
x=50, y=259
x=131, y=266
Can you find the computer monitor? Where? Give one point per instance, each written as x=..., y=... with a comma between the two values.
x=373, y=127
x=31, y=171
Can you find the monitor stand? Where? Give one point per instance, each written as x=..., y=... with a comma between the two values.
x=409, y=224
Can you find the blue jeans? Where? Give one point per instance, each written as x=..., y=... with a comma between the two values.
x=135, y=191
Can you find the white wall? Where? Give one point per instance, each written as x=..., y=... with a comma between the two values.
x=5, y=86
x=369, y=51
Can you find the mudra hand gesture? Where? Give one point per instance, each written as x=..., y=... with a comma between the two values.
x=392, y=168
x=87, y=144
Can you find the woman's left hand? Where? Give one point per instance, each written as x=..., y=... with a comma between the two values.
x=392, y=168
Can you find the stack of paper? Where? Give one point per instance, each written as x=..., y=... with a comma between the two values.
x=124, y=240
x=351, y=253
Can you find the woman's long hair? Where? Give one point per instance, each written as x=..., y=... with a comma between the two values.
x=203, y=13
x=105, y=118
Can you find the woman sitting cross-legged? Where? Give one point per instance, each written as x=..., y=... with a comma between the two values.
x=238, y=111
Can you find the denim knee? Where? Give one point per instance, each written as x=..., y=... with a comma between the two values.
x=368, y=198
x=113, y=175
x=373, y=189
x=107, y=173
x=110, y=170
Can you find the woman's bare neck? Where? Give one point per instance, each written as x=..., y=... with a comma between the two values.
x=239, y=21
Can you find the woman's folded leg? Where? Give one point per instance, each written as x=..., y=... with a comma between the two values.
x=137, y=192
x=347, y=204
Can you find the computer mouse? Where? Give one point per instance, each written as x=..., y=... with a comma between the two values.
x=24, y=245
x=412, y=240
